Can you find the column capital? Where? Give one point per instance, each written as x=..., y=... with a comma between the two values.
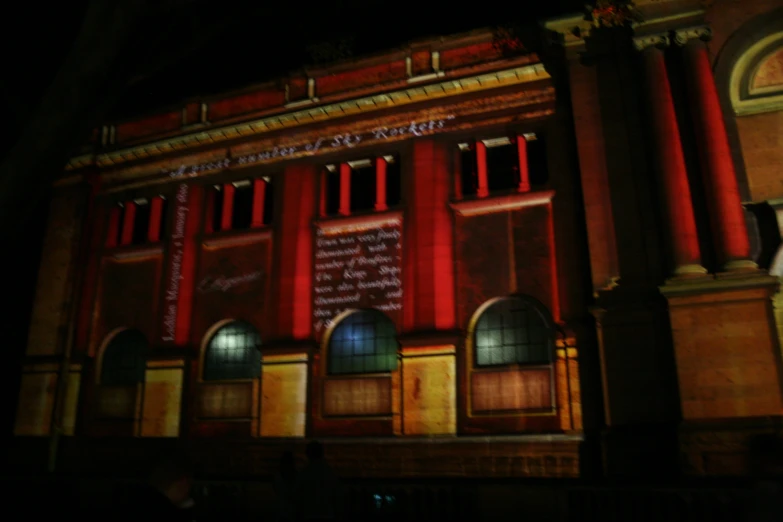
x=683, y=36
x=660, y=41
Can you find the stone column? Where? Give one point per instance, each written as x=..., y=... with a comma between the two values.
x=718, y=174
x=670, y=159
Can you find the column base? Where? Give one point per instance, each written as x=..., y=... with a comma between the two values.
x=688, y=273
x=741, y=265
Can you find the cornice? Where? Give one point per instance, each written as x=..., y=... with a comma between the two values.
x=659, y=40
x=300, y=118
x=683, y=36
x=528, y=104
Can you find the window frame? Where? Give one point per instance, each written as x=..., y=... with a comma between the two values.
x=211, y=335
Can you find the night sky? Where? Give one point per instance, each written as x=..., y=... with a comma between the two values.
x=247, y=44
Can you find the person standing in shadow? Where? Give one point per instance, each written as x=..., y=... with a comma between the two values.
x=318, y=489
x=285, y=483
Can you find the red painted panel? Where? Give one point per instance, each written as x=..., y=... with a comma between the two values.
x=129, y=297
x=192, y=113
x=154, y=125
x=463, y=56
x=297, y=89
x=232, y=283
x=246, y=103
x=355, y=79
x=486, y=272
x=421, y=62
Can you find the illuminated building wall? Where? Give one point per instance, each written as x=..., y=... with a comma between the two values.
x=449, y=245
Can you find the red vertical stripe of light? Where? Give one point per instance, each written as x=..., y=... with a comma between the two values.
x=128, y=218
x=524, y=171
x=185, y=298
x=674, y=177
x=481, y=166
x=259, y=197
x=380, y=185
x=719, y=176
x=345, y=189
x=228, y=206
x=156, y=214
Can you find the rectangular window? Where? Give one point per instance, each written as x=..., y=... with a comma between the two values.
x=141, y=222
x=359, y=186
x=216, y=196
x=363, y=185
x=501, y=165
x=240, y=205
x=242, y=214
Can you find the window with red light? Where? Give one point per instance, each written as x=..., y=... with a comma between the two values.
x=500, y=165
x=137, y=222
x=359, y=186
x=239, y=205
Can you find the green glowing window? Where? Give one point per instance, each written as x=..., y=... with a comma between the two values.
x=513, y=331
x=123, y=360
x=363, y=342
x=234, y=352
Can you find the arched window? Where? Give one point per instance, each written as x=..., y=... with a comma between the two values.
x=233, y=353
x=123, y=359
x=513, y=331
x=363, y=342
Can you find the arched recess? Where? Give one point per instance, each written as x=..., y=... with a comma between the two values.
x=518, y=378
x=360, y=355
x=737, y=63
x=120, y=376
x=229, y=373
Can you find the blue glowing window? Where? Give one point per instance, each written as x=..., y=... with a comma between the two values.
x=234, y=352
x=363, y=342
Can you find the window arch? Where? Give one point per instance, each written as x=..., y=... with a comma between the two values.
x=513, y=330
x=363, y=342
x=123, y=361
x=233, y=352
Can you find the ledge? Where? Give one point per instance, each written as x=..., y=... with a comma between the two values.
x=517, y=75
x=493, y=204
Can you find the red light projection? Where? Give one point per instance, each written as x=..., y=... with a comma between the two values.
x=175, y=264
x=357, y=266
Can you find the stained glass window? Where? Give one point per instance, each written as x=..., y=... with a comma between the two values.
x=513, y=331
x=234, y=352
x=123, y=360
x=363, y=342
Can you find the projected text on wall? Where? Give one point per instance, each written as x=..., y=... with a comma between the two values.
x=357, y=266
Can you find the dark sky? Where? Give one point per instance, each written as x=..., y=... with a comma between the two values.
x=258, y=41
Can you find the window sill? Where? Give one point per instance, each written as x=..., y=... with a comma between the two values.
x=502, y=203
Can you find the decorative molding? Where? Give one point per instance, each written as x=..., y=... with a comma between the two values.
x=572, y=30
x=660, y=41
x=235, y=239
x=742, y=101
x=491, y=205
x=683, y=36
x=710, y=285
x=507, y=77
x=340, y=225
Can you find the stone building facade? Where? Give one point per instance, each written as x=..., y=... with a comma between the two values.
x=444, y=261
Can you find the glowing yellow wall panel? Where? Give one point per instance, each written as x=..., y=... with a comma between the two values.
x=283, y=399
x=429, y=401
x=36, y=402
x=162, y=402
